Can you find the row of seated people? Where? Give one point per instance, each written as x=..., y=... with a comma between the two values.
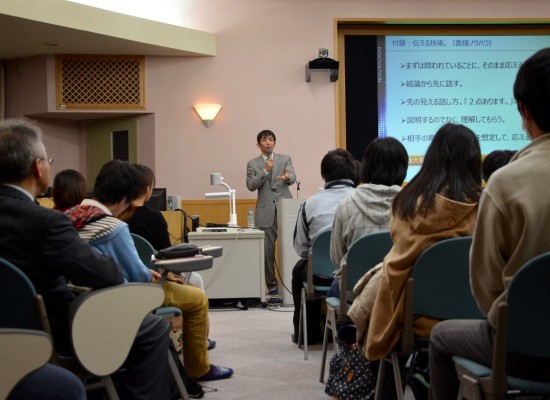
x=442, y=201
x=354, y=211
x=98, y=253
x=97, y=223
x=446, y=188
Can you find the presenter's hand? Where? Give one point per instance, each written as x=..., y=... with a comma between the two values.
x=285, y=176
x=268, y=165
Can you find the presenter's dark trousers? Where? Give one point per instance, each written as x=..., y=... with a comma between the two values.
x=269, y=255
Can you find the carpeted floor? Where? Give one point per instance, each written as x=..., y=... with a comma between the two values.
x=256, y=344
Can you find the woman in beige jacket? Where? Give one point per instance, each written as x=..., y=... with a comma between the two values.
x=440, y=202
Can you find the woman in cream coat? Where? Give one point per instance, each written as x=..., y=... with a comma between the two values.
x=439, y=203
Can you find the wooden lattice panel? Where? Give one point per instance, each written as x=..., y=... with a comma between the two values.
x=100, y=82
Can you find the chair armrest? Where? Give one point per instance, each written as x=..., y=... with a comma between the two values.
x=213, y=251
x=185, y=264
x=167, y=312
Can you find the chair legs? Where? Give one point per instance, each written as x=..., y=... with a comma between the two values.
x=469, y=388
x=302, y=329
x=105, y=383
x=177, y=378
x=394, y=361
x=330, y=326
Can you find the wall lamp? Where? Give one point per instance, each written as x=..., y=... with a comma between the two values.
x=217, y=179
x=207, y=112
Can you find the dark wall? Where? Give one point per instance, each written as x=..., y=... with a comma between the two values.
x=361, y=94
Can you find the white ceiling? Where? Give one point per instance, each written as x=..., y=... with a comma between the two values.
x=29, y=28
x=36, y=27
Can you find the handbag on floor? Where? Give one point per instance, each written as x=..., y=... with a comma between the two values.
x=351, y=375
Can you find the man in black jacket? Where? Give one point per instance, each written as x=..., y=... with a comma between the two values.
x=45, y=246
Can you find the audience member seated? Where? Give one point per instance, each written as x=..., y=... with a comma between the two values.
x=495, y=160
x=148, y=222
x=116, y=185
x=367, y=209
x=512, y=228
x=151, y=225
x=69, y=189
x=145, y=221
x=440, y=202
x=338, y=170
x=46, y=247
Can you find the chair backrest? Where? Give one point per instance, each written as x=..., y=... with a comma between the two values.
x=319, y=262
x=144, y=248
x=21, y=352
x=364, y=254
x=528, y=321
x=20, y=305
x=440, y=287
x=442, y=281
x=104, y=323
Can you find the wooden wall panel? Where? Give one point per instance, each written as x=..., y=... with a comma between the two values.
x=214, y=211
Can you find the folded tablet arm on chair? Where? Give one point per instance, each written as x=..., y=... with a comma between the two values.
x=21, y=352
x=104, y=323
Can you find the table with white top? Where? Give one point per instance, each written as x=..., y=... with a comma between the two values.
x=239, y=272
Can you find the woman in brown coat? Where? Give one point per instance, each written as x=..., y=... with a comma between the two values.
x=439, y=203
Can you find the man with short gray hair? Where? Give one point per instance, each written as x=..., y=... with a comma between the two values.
x=46, y=247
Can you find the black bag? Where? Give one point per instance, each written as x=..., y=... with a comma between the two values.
x=351, y=375
x=418, y=375
x=178, y=251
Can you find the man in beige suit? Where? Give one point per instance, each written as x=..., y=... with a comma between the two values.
x=271, y=174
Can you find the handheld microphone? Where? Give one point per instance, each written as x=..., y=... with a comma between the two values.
x=270, y=153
